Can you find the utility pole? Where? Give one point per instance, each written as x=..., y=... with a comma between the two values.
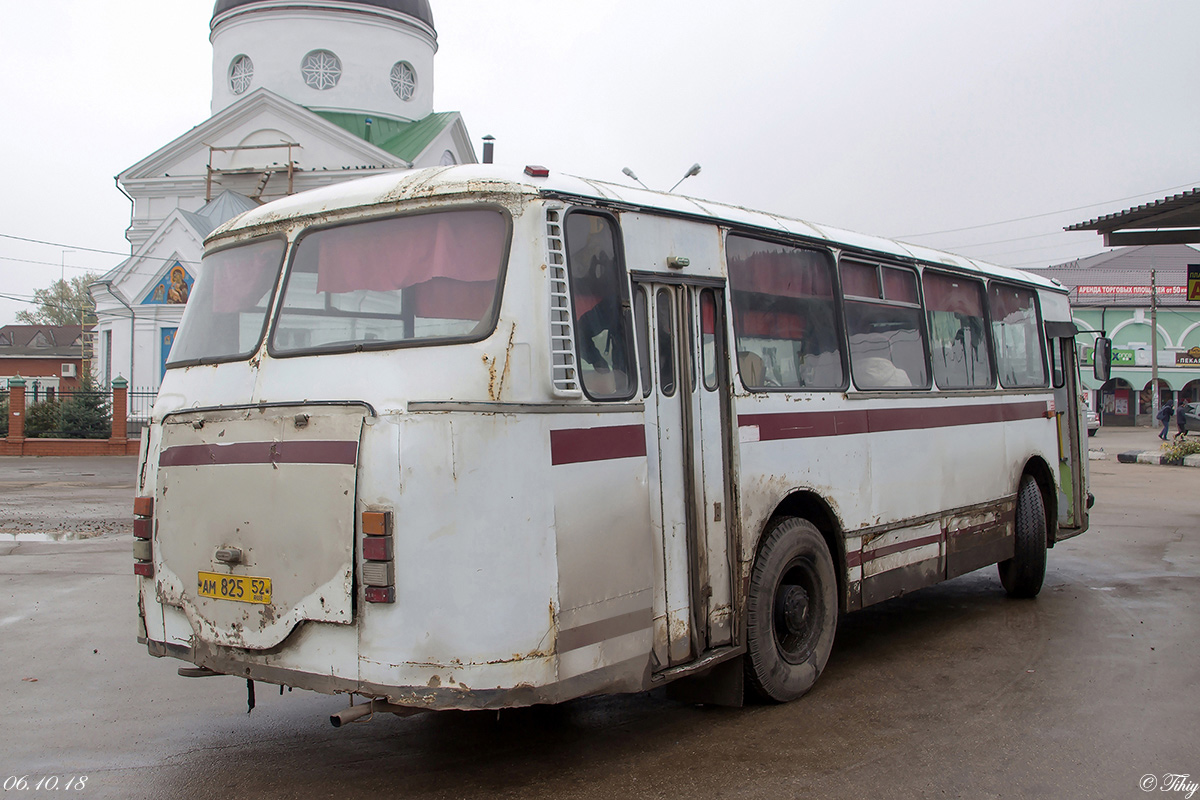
x=1154, y=405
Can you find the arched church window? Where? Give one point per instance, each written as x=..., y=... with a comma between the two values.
x=241, y=74
x=404, y=80
x=448, y=159
x=321, y=69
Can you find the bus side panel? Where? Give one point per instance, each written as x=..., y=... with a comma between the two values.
x=474, y=559
x=605, y=550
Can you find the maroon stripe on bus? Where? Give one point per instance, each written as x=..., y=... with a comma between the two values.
x=578, y=445
x=809, y=424
x=199, y=455
x=899, y=547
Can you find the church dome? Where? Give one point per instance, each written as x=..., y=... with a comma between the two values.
x=418, y=9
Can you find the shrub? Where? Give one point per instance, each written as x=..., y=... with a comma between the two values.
x=1175, y=451
x=3, y=416
x=85, y=415
x=42, y=419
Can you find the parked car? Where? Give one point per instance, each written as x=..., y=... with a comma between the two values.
x=1093, y=422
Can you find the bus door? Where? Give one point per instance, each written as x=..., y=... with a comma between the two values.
x=1072, y=433
x=682, y=357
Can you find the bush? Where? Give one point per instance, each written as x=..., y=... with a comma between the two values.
x=1175, y=451
x=42, y=419
x=3, y=416
x=85, y=415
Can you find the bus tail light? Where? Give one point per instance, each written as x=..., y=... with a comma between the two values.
x=143, y=530
x=378, y=552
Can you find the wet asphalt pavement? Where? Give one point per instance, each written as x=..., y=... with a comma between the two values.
x=953, y=691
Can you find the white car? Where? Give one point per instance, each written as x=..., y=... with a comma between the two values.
x=1093, y=422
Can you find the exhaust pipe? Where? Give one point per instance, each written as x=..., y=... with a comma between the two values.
x=354, y=713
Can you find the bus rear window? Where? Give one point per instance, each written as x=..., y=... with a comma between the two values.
x=227, y=310
x=389, y=282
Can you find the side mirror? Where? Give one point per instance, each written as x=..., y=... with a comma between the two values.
x=1102, y=363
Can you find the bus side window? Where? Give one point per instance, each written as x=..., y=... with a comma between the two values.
x=883, y=319
x=1016, y=333
x=600, y=298
x=962, y=357
x=784, y=316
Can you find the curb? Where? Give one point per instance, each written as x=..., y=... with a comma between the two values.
x=1154, y=457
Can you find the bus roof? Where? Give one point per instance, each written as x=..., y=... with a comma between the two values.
x=489, y=179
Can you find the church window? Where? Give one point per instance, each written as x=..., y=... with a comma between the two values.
x=404, y=80
x=321, y=69
x=448, y=159
x=241, y=74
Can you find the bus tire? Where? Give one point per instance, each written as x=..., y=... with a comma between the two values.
x=792, y=611
x=1022, y=575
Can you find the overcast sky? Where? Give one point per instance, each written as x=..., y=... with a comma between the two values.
x=902, y=119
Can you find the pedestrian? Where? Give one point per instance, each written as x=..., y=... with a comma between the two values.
x=1164, y=416
x=1181, y=421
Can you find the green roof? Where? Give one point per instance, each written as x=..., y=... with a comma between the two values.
x=405, y=140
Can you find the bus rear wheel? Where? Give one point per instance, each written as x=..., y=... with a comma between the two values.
x=1022, y=575
x=792, y=611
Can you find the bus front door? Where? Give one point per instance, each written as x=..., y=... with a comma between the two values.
x=682, y=354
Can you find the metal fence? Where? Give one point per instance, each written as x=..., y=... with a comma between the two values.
x=141, y=403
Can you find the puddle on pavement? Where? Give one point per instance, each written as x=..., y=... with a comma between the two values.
x=58, y=536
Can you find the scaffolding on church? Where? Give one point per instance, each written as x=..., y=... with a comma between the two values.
x=265, y=172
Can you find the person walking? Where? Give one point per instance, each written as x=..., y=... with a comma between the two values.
x=1164, y=416
x=1181, y=421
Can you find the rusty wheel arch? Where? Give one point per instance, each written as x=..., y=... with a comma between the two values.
x=807, y=504
x=1040, y=471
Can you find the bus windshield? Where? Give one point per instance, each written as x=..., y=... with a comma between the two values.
x=388, y=282
x=228, y=309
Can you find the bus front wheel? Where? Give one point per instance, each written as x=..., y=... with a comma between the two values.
x=1022, y=575
x=792, y=611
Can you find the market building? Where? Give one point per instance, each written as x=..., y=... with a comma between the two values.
x=305, y=94
x=1156, y=245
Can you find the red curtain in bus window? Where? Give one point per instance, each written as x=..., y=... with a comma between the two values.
x=242, y=275
x=708, y=309
x=953, y=295
x=442, y=298
x=391, y=254
x=900, y=285
x=772, y=325
x=795, y=273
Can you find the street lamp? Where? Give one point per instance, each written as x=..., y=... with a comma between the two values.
x=62, y=275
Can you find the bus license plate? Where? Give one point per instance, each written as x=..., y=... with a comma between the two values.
x=241, y=588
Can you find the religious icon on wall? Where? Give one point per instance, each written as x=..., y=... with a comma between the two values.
x=174, y=288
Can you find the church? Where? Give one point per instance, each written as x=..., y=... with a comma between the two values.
x=305, y=93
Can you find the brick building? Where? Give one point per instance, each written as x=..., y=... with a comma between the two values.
x=48, y=357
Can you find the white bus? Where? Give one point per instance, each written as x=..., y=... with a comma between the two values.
x=472, y=437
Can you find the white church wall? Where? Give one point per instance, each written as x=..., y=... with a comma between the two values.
x=368, y=45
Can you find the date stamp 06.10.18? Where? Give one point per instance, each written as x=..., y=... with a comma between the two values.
x=33, y=783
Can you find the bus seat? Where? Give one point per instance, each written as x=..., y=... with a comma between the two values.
x=750, y=365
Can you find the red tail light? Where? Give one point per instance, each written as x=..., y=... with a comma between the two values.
x=378, y=552
x=143, y=532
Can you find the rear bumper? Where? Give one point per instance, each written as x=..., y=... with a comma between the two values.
x=630, y=676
